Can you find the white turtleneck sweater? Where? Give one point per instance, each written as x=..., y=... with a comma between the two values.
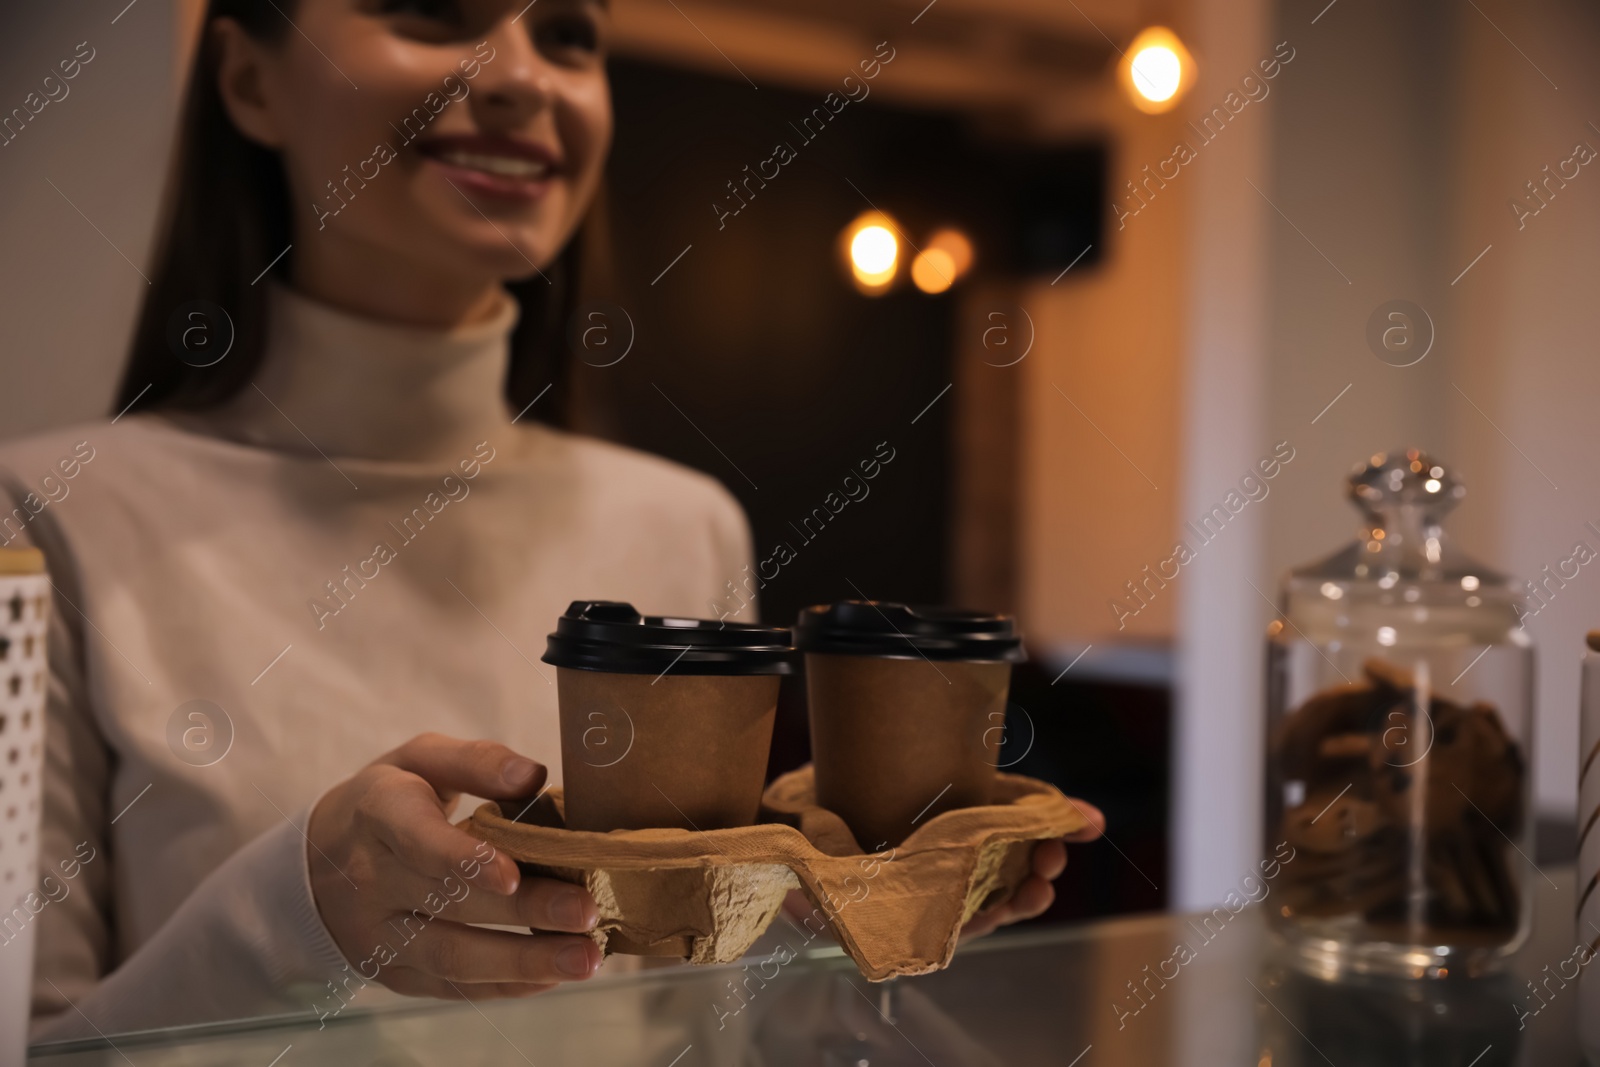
x=361, y=547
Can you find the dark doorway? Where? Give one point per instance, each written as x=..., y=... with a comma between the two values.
x=756, y=359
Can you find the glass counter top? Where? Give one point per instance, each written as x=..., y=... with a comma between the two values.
x=1076, y=996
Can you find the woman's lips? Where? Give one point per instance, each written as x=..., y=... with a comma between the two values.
x=503, y=167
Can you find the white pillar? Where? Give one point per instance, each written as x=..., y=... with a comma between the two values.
x=1217, y=740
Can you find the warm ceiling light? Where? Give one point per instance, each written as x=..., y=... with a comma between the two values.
x=954, y=244
x=873, y=251
x=1157, y=70
x=933, y=271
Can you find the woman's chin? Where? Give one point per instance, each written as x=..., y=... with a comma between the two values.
x=510, y=248
x=504, y=252
x=536, y=271
x=518, y=257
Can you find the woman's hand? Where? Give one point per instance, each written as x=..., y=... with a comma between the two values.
x=1035, y=895
x=396, y=883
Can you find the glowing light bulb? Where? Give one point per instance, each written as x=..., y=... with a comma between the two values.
x=1156, y=70
x=1157, y=73
x=956, y=245
x=874, y=250
x=933, y=271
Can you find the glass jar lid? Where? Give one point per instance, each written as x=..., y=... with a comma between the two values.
x=1403, y=580
x=1403, y=497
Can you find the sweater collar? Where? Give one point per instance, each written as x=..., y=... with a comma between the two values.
x=341, y=384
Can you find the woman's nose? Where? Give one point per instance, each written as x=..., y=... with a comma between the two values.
x=516, y=80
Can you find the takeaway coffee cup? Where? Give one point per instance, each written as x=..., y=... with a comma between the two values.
x=907, y=708
x=664, y=722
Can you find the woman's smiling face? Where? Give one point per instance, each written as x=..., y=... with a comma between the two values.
x=459, y=139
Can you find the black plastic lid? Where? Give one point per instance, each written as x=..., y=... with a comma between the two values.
x=609, y=635
x=879, y=628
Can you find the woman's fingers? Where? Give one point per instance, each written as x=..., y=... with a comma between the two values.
x=447, y=861
x=1049, y=859
x=1032, y=899
x=1035, y=894
x=1097, y=823
x=467, y=954
x=541, y=903
x=983, y=924
x=482, y=768
x=407, y=818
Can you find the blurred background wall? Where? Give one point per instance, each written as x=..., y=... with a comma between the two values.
x=1227, y=315
x=1525, y=331
x=84, y=175
x=1401, y=143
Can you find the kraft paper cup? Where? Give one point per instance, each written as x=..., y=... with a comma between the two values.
x=898, y=741
x=687, y=751
x=907, y=707
x=24, y=619
x=665, y=722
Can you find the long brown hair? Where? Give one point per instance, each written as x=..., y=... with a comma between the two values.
x=227, y=215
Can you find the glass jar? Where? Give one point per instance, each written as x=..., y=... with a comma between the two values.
x=1399, y=719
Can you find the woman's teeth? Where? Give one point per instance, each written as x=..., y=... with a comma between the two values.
x=501, y=166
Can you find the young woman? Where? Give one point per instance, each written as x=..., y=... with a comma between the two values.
x=327, y=526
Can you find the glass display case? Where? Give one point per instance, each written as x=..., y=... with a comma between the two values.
x=1089, y=995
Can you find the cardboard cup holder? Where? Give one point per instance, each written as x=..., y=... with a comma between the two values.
x=706, y=896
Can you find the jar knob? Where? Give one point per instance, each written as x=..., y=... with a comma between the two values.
x=1389, y=481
